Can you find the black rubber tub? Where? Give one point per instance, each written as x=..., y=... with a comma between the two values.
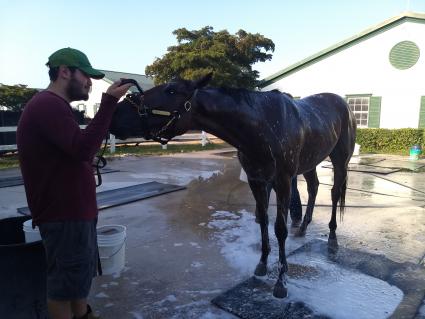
x=22, y=273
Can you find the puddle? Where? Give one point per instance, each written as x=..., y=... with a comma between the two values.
x=332, y=290
x=365, y=160
x=179, y=177
x=325, y=287
x=232, y=154
x=240, y=239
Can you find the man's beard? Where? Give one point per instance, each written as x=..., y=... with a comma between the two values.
x=76, y=91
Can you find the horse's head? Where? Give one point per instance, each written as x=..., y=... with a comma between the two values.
x=177, y=99
x=129, y=119
x=162, y=113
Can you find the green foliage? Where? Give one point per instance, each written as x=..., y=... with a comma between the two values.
x=389, y=141
x=14, y=97
x=11, y=160
x=229, y=57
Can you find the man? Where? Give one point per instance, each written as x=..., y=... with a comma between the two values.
x=56, y=163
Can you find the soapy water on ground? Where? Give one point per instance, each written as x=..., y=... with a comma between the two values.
x=326, y=287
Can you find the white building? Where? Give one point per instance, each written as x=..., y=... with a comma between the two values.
x=99, y=86
x=380, y=71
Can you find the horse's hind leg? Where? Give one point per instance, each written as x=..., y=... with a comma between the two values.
x=312, y=187
x=295, y=207
x=261, y=192
x=339, y=162
x=282, y=188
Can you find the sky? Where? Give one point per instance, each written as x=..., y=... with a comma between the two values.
x=128, y=35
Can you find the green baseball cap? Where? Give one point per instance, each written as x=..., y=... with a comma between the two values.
x=74, y=58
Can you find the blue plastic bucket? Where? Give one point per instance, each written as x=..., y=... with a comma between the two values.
x=415, y=152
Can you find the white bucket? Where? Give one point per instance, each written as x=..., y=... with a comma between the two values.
x=243, y=176
x=111, y=242
x=356, y=149
x=31, y=235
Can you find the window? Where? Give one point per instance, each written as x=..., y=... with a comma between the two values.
x=360, y=107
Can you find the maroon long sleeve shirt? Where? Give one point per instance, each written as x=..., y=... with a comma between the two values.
x=56, y=157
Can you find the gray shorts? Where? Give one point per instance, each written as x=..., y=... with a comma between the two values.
x=72, y=256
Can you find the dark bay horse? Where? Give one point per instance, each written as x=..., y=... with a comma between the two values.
x=276, y=136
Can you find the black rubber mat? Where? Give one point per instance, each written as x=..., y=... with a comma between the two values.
x=368, y=169
x=17, y=180
x=107, y=170
x=125, y=195
x=11, y=181
x=253, y=298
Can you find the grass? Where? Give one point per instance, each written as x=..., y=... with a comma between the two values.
x=156, y=149
x=10, y=160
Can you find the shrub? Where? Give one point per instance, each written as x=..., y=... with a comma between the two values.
x=373, y=140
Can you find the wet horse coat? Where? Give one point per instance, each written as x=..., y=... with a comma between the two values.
x=276, y=136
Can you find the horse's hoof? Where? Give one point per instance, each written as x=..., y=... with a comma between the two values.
x=296, y=223
x=261, y=269
x=300, y=232
x=280, y=291
x=332, y=244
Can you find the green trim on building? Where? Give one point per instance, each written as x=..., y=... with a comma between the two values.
x=357, y=95
x=343, y=45
x=422, y=113
x=374, y=112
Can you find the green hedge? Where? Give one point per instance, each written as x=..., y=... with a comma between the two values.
x=399, y=141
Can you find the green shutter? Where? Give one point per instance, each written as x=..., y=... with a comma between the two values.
x=422, y=113
x=374, y=111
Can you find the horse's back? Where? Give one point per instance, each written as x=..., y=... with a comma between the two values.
x=328, y=124
x=323, y=102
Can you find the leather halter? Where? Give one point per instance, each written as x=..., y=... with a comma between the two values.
x=144, y=112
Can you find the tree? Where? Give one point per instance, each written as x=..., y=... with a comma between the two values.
x=14, y=97
x=229, y=57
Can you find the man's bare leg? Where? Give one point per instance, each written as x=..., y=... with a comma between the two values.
x=59, y=309
x=79, y=307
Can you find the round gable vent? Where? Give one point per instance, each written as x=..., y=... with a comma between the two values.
x=404, y=55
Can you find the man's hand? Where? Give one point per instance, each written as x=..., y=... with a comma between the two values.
x=118, y=91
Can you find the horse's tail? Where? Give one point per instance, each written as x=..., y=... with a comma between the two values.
x=342, y=199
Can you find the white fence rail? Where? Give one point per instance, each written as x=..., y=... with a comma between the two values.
x=202, y=137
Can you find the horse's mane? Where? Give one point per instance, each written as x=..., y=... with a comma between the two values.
x=284, y=93
x=241, y=94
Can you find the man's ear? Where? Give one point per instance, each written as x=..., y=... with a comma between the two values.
x=203, y=81
x=64, y=72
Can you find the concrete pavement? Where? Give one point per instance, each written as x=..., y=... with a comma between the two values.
x=180, y=247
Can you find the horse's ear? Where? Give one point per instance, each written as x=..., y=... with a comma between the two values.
x=203, y=81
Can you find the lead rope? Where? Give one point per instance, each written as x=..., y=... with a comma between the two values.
x=101, y=163
x=99, y=265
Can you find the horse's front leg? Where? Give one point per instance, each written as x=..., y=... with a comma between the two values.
x=282, y=189
x=312, y=188
x=261, y=192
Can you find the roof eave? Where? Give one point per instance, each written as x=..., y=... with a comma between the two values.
x=387, y=24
